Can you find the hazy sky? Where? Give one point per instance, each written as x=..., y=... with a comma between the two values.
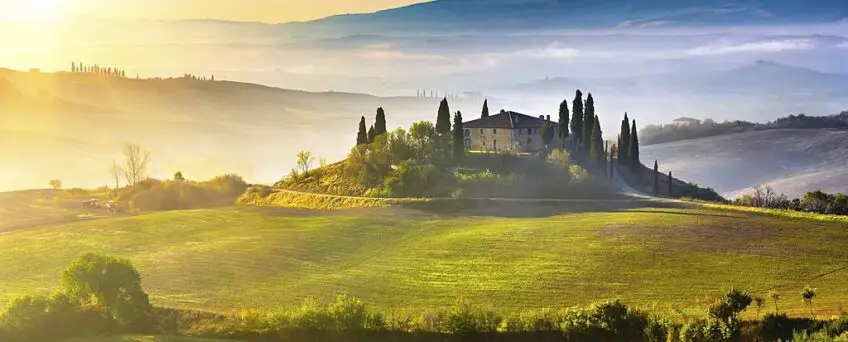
x=273, y=11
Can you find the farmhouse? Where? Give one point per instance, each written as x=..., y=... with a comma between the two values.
x=507, y=130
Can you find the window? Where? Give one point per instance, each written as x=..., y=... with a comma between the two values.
x=495, y=145
x=494, y=131
x=467, y=143
x=467, y=133
x=529, y=131
x=481, y=131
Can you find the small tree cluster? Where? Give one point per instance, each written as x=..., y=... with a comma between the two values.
x=95, y=69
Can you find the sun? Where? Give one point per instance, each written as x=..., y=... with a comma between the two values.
x=41, y=10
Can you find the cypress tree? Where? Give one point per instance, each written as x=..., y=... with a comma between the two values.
x=670, y=184
x=372, y=133
x=633, y=156
x=485, y=113
x=577, y=117
x=443, y=121
x=596, y=143
x=624, y=140
x=380, y=121
x=362, y=135
x=656, y=178
x=458, y=138
x=588, y=120
x=612, y=162
x=563, y=121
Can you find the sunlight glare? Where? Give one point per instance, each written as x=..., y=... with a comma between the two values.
x=41, y=11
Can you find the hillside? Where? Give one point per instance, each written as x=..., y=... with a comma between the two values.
x=80, y=121
x=509, y=256
x=792, y=161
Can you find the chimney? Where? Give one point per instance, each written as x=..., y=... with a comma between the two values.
x=548, y=118
x=542, y=117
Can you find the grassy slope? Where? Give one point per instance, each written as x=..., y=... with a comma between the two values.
x=23, y=209
x=144, y=339
x=507, y=258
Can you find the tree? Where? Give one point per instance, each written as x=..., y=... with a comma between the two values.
x=775, y=296
x=112, y=284
x=577, y=117
x=656, y=178
x=116, y=171
x=563, y=121
x=178, y=177
x=670, y=185
x=760, y=301
x=443, y=123
x=589, y=122
x=808, y=295
x=304, y=162
x=633, y=154
x=485, y=113
x=372, y=133
x=362, y=135
x=624, y=141
x=458, y=137
x=136, y=161
x=380, y=122
x=596, y=143
x=55, y=184
x=73, y=67
x=612, y=155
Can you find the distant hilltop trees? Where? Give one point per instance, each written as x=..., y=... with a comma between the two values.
x=96, y=69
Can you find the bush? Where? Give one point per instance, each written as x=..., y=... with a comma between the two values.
x=706, y=331
x=349, y=313
x=155, y=195
x=607, y=321
x=780, y=327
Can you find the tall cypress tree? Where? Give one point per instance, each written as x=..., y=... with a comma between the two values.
x=443, y=120
x=563, y=121
x=596, y=145
x=588, y=120
x=670, y=184
x=380, y=121
x=485, y=113
x=372, y=133
x=458, y=137
x=624, y=141
x=633, y=156
x=612, y=162
x=577, y=117
x=656, y=178
x=362, y=135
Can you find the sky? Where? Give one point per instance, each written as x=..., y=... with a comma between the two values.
x=269, y=11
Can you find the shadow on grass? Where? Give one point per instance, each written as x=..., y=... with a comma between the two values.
x=535, y=209
x=665, y=212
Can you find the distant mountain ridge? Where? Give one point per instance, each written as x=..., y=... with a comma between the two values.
x=561, y=14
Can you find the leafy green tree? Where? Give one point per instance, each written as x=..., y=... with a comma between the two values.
x=55, y=184
x=485, y=113
x=304, y=162
x=547, y=133
x=577, y=117
x=458, y=137
x=808, y=295
x=563, y=121
x=443, y=120
x=179, y=177
x=112, y=284
x=596, y=148
x=589, y=124
x=624, y=141
x=372, y=133
x=380, y=122
x=362, y=135
x=656, y=178
x=633, y=155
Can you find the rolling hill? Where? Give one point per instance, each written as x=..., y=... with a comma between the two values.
x=792, y=161
x=72, y=126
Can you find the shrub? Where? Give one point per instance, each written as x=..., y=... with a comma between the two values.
x=706, y=331
x=837, y=327
x=112, y=284
x=606, y=321
x=154, y=195
x=349, y=313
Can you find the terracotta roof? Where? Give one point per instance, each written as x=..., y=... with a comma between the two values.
x=506, y=120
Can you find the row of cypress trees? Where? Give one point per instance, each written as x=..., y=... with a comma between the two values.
x=379, y=127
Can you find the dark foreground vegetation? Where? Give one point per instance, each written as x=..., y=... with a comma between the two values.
x=103, y=295
x=658, y=134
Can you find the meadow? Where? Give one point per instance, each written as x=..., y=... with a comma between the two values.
x=510, y=257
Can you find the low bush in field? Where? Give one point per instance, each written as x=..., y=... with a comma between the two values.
x=154, y=195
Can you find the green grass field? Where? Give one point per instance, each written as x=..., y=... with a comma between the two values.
x=511, y=257
x=144, y=339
